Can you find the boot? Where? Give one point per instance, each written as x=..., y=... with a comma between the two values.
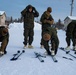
x=45, y=53
x=74, y=48
x=41, y=46
x=1, y=53
x=5, y=52
x=67, y=48
x=30, y=46
x=25, y=46
x=52, y=52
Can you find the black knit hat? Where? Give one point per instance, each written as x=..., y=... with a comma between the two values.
x=30, y=6
x=49, y=9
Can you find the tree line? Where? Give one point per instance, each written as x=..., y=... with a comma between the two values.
x=59, y=24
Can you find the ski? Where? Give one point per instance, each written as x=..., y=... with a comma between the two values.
x=1, y=55
x=67, y=58
x=54, y=59
x=52, y=56
x=42, y=55
x=14, y=55
x=73, y=51
x=17, y=55
x=39, y=56
x=67, y=52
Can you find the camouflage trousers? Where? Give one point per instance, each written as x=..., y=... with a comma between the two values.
x=28, y=36
x=4, y=41
x=70, y=36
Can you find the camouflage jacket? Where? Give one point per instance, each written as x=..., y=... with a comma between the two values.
x=29, y=16
x=46, y=20
x=3, y=31
x=51, y=31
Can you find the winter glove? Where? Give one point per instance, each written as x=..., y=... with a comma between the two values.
x=50, y=22
x=45, y=21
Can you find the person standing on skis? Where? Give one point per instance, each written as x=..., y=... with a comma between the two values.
x=29, y=13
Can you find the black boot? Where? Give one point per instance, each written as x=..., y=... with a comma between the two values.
x=5, y=52
x=49, y=53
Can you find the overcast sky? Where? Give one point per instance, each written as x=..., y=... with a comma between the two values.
x=61, y=8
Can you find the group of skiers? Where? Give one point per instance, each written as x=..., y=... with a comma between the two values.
x=49, y=34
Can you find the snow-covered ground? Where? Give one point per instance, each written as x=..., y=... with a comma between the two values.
x=27, y=64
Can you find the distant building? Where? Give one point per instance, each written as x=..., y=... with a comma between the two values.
x=69, y=19
x=2, y=17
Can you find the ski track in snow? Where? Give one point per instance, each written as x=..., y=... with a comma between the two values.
x=27, y=64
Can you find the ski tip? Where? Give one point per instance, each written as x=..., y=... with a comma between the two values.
x=61, y=48
x=67, y=52
x=18, y=51
x=14, y=54
x=56, y=61
x=42, y=61
x=75, y=52
x=11, y=59
x=23, y=51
